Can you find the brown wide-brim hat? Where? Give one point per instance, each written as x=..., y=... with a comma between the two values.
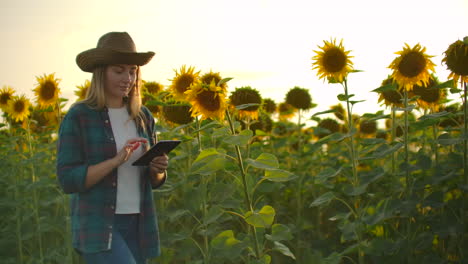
x=112, y=48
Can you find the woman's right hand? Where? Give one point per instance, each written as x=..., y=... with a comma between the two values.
x=131, y=145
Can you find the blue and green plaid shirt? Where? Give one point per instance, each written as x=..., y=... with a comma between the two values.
x=86, y=138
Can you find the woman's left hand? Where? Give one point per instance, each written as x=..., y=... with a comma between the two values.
x=159, y=164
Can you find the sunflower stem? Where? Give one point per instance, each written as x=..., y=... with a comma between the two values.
x=198, y=134
x=244, y=183
x=465, y=133
x=393, y=139
x=354, y=168
x=36, y=211
x=18, y=216
x=405, y=139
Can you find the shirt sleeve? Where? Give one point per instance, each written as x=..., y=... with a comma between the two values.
x=72, y=166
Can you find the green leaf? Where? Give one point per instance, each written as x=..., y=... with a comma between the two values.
x=213, y=214
x=447, y=84
x=327, y=173
x=343, y=97
x=278, y=175
x=266, y=259
x=241, y=139
x=333, y=258
x=383, y=150
x=264, y=161
x=279, y=232
x=244, y=106
x=434, y=116
x=455, y=90
x=224, y=240
x=208, y=162
x=355, y=102
x=283, y=249
x=324, y=112
x=324, y=198
x=445, y=139
x=385, y=88
x=264, y=218
x=223, y=81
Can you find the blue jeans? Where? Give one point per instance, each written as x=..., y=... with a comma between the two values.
x=124, y=245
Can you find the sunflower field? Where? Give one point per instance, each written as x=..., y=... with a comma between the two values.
x=253, y=182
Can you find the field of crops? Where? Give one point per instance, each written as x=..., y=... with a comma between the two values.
x=253, y=182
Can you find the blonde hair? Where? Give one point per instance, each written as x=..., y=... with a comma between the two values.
x=96, y=98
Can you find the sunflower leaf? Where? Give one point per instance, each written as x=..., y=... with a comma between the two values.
x=264, y=161
x=355, y=102
x=223, y=81
x=244, y=106
x=343, y=97
x=263, y=218
x=240, y=139
x=455, y=90
x=447, y=84
x=385, y=88
x=324, y=198
x=324, y=112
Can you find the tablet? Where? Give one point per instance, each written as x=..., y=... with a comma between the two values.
x=160, y=148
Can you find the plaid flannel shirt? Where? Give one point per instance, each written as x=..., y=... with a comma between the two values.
x=86, y=138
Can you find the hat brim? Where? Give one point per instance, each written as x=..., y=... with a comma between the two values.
x=90, y=59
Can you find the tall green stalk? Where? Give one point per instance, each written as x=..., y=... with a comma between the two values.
x=18, y=218
x=35, y=200
x=465, y=133
x=299, y=194
x=244, y=183
x=354, y=168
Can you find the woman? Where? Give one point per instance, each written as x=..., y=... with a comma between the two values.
x=113, y=218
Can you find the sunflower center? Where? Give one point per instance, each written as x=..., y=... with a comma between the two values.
x=392, y=96
x=430, y=95
x=4, y=98
x=412, y=64
x=183, y=83
x=457, y=59
x=208, y=100
x=48, y=91
x=18, y=107
x=334, y=60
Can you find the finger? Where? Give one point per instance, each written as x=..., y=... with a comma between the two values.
x=138, y=139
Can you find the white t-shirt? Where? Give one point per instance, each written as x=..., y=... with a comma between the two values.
x=128, y=176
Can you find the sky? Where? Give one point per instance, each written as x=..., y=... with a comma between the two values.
x=264, y=44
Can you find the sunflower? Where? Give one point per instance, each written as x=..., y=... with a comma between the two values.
x=182, y=81
x=207, y=78
x=18, y=108
x=332, y=62
x=209, y=101
x=47, y=90
x=456, y=117
x=456, y=59
x=412, y=67
x=269, y=106
x=391, y=98
x=338, y=111
x=381, y=134
x=299, y=98
x=430, y=97
x=286, y=111
x=368, y=127
x=177, y=114
x=6, y=94
x=152, y=87
x=146, y=97
x=246, y=95
x=82, y=90
x=264, y=123
x=327, y=127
